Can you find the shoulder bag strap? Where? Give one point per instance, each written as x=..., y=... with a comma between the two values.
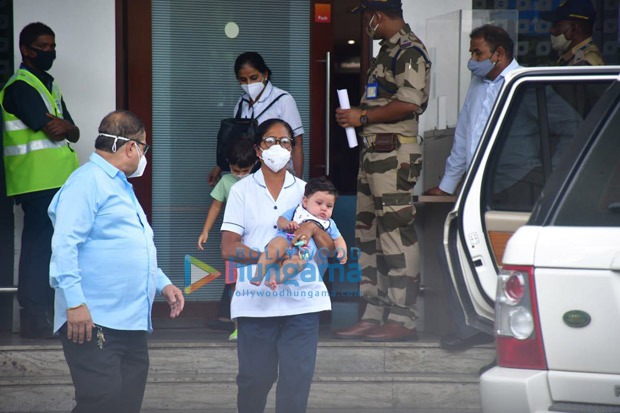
x=269, y=105
x=238, y=114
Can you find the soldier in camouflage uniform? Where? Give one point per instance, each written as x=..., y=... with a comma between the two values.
x=571, y=33
x=396, y=94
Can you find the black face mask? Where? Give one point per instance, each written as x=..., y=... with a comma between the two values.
x=44, y=59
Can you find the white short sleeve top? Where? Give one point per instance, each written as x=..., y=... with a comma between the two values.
x=252, y=213
x=284, y=108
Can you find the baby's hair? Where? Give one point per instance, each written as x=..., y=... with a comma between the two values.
x=321, y=184
x=242, y=153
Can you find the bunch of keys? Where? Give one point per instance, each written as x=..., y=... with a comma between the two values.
x=100, y=337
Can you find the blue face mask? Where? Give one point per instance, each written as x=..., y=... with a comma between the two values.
x=480, y=69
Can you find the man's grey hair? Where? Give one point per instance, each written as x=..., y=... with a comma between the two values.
x=118, y=123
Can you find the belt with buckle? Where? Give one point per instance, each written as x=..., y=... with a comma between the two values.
x=369, y=140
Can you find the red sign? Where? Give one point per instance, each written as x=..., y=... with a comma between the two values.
x=322, y=13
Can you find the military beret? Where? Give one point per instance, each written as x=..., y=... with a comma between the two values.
x=579, y=10
x=379, y=5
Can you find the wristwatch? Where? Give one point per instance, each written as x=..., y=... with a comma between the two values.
x=364, y=118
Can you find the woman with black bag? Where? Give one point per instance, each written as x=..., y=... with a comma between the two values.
x=260, y=101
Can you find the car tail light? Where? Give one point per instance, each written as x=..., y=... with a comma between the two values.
x=517, y=323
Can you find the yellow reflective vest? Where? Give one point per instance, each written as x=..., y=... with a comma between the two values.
x=32, y=161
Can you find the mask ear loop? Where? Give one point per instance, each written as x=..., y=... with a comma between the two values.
x=378, y=16
x=492, y=53
x=370, y=21
x=116, y=138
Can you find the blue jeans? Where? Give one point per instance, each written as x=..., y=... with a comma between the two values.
x=276, y=348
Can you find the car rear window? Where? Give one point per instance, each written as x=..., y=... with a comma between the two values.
x=541, y=122
x=593, y=198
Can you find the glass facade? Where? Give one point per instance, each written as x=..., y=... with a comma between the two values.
x=194, y=86
x=534, y=45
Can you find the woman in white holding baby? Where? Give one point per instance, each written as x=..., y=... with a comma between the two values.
x=278, y=330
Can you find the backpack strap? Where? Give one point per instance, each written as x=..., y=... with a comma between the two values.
x=238, y=114
x=270, y=105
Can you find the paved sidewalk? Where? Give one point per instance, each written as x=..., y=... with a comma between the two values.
x=329, y=411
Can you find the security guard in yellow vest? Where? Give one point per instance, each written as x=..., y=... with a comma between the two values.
x=37, y=160
x=571, y=33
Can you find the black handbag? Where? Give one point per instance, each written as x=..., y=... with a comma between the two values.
x=232, y=129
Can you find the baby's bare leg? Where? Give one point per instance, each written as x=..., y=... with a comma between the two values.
x=274, y=252
x=290, y=267
x=287, y=269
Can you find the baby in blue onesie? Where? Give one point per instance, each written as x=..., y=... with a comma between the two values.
x=285, y=259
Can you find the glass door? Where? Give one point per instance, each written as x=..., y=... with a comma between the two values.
x=339, y=60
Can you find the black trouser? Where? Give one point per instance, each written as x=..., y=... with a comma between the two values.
x=461, y=329
x=109, y=379
x=223, y=307
x=34, y=292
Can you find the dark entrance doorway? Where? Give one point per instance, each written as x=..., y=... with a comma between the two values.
x=339, y=57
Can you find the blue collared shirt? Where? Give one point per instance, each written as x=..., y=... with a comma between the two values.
x=473, y=117
x=103, y=252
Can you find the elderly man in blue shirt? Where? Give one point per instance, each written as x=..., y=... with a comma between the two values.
x=491, y=59
x=104, y=270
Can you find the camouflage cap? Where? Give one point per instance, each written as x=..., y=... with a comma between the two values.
x=380, y=5
x=579, y=10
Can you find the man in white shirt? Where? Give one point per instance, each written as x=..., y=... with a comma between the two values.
x=492, y=58
x=491, y=51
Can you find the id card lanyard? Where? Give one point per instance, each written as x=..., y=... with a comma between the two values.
x=372, y=87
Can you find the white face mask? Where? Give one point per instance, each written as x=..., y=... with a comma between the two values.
x=239, y=176
x=276, y=157
x=253, y=89
x=141, y=165
x=560, y=43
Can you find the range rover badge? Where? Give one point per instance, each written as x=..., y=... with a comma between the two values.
x=576, y=318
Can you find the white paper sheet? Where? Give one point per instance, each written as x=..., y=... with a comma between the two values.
x=343, y=98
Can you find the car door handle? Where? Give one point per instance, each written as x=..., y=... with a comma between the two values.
x=614, y=207
x=615, y=263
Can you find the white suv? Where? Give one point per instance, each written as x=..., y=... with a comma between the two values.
x=548, y=167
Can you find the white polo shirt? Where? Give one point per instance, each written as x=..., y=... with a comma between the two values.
x=252, y=213
x=284, y=108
